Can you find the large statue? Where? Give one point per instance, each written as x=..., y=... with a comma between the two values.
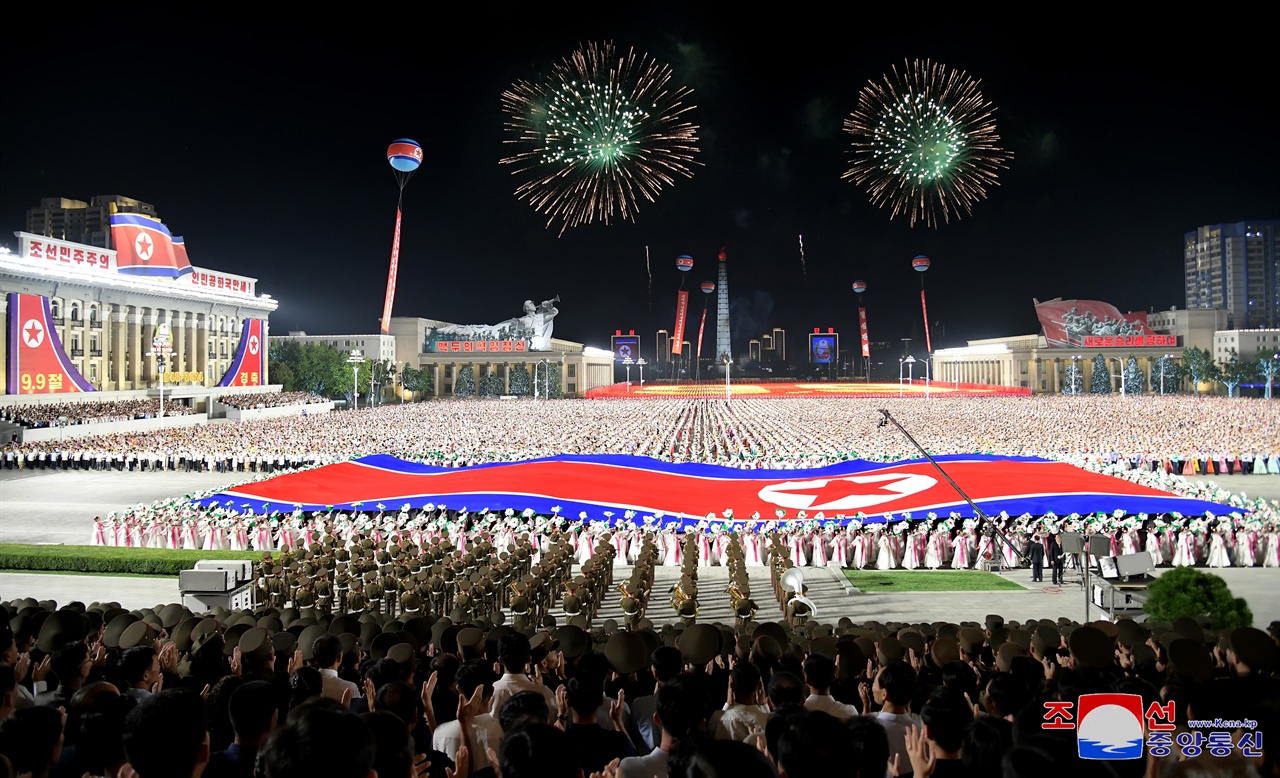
x=533, y=328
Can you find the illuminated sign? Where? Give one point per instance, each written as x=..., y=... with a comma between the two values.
x=824, y=348
x=39, y=250
x=1136, y=341
x=626, y=347
x=484, y=346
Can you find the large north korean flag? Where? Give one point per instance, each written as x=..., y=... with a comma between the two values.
x=249, y=365
x=37, y=363
x=690, y=491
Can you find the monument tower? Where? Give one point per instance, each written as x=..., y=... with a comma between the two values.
x=722, y=309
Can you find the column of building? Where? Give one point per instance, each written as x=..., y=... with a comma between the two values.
x=202, y=346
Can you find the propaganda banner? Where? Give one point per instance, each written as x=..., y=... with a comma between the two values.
x=862, y=327
x=682, y=310
x=1067, y=323
x=249, y=365
x=701, y=329
x=37, y=362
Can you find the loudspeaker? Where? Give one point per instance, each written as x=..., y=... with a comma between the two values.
x=1072, y=542
x=1099, y=545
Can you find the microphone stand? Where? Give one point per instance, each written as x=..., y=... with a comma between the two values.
x=989, y=525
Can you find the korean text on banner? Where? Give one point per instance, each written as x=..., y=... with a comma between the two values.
x=682, y=310
x=862, y=326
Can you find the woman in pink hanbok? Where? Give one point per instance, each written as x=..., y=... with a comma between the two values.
x=1270, y=542
x=911, y=557
x=671, y=548
x=795, y=544
x=1184, y=554
x=818, y=544
x=99, y=533
x=986, y=550
x=839, y=549
x=960, y=559
x=1153, y=547
x=751, y=549
x=863, y=543
x=705, y=556
x=935, y=549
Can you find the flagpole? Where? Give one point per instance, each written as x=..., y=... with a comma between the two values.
x=888, y=419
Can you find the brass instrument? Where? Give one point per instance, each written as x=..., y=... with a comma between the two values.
x=678, y=598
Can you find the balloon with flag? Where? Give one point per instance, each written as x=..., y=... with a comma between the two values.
x=708, y=287
x=859, y=286
x=684, y=263
x=920, y=263
x=405, y=157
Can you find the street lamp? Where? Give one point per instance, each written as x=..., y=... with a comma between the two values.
x=909, y=364
x=1120, y=374
x=728, y=368
x=627, y=363
x=354, y=359
x=641, y=363
x=1074, y=378
x=161, y=350
x=1164, y=360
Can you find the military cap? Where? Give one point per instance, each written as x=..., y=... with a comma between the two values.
x=1190, y=660
x=574, y=641
x=1006, y=654
x=255, y=643
x=626, y=652
x=912, y=640
x=1189, y=628
x=971, y=640
x=307, y=640
x=994, y=621
x=60, y=628
x=115, y=628
x=944, y=651
x=1090, y=647
x=700, y=643
x=1046, y=639
x=139, y=633
x=1254, y=648
x=471, y=643
x=541, y=644
x=890, y=650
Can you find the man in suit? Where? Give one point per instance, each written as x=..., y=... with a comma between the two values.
x=1036, y=551
x=1056, y=557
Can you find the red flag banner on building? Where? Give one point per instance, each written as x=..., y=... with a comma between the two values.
x=924, y=309
x=862, y=326
x=143, y=246
x=37, y=362
x=682, y=310
x=1068, y=322
x=390, y=299
x=701, y=328
x=180, y=260
x=250, y=365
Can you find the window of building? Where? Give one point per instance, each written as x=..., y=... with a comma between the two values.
x=55, y=308
x=573, y=371
x=572, y=387
x=75, y=313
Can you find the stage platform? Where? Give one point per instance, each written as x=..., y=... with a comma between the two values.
x=747, y=389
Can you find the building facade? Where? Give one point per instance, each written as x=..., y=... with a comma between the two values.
x=581, y=367
x=1235, y=267
x=1029, y=361
x=100, y=324
x=79, y=222
x=373, y=347
x=1247, y=344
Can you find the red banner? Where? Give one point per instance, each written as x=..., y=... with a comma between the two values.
x=928, y=343
x=249, y=366
x=1068, y=322
x=37, y=362
x=682, y=310
x=391, y=277
x=862, y=325
x=701, y=328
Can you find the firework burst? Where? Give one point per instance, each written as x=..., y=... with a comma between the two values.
x=601, y=133
x=925, y=143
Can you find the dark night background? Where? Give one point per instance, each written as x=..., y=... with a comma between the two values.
x=264, y=145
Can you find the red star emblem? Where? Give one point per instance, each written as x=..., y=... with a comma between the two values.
x=839, y=488
x=33, y=333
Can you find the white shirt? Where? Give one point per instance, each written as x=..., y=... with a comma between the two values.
x=652, y=765
x=828, y=704
x=896, y=725
x=511, y=684
x=485, y=730
x=333, y=686
x=737, y=722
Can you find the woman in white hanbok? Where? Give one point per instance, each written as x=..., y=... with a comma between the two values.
x=934, y=552
x=960, y=557
x=884, y=559
x=1219, y=553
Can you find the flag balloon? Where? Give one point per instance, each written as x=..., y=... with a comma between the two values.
x=404, y=155
x=859, y=286
x=920, y=263
x=708, y=287
x=684, y=263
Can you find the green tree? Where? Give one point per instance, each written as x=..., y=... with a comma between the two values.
x=1200, y=366
x=1100, y=381
x=1134, y=381
x=1235, y=371
x=519, y=381
x=420, y=381
x=1269, y=368
x=1075, y=379
x=1186, y=591
x=282, y=373
x=1166, y=375
x=382, y=373
x=547, y=376
x=343, y=375
x=491, y=386
x=465, y=384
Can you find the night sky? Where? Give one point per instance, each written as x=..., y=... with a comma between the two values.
x=264, y=145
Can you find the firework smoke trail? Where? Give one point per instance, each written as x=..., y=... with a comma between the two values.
x=804, y=269
x=648, y=270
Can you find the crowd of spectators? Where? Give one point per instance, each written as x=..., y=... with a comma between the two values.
x=270, y=400
x=283, y=693
x=67, y=414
